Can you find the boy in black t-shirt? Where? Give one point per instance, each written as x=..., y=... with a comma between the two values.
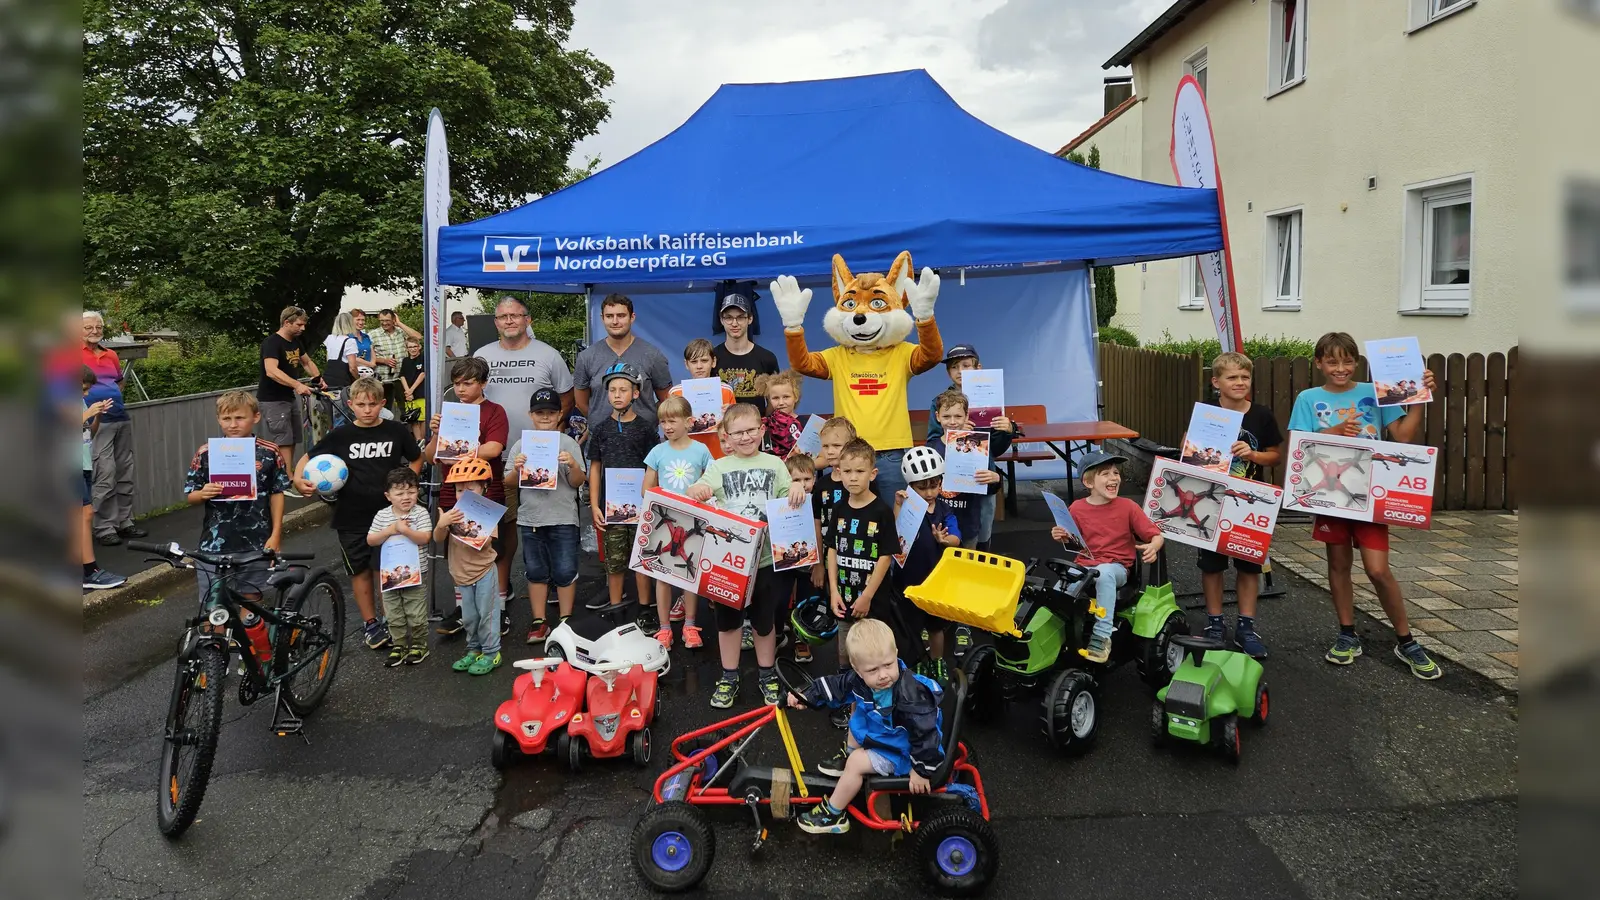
x=620, y=441
x=371, y=446
x=862, y=545
x=1256, y=448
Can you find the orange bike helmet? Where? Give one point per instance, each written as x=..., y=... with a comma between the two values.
x=469, y=469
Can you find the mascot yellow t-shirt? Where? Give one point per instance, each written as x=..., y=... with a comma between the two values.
x=869, y=389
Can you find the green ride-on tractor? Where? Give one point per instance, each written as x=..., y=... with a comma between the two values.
x=1213, y=688
x=1055, y=615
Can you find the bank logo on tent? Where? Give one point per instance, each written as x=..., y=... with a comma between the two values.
x=511, y=253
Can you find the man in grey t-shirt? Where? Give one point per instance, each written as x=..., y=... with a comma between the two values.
x=620, y=345
x=519, y=364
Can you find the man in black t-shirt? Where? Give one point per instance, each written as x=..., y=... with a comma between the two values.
x=738, y=360
x=281, y=354
x=372, y=447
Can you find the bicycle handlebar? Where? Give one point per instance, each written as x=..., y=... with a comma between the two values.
x=173, y=553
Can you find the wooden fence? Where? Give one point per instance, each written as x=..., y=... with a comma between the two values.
x=1469, y=420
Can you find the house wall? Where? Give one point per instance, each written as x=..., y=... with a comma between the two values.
x=1375, y=101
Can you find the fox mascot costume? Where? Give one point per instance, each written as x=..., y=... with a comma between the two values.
x=873, y=362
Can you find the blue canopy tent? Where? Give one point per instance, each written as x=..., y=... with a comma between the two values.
x=770, y=179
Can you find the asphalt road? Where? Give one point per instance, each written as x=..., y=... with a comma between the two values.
x=1366, y=783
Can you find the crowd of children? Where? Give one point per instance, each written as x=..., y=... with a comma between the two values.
x=749, y=460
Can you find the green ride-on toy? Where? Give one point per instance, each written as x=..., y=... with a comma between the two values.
x=1041, y=617
x=1210, y=692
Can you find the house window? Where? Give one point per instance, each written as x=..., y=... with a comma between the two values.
x=1283, y=260
x=1287, y=50
x=1583, y=246
x=1426, y=12
x=1197, y=65
x=1438, y=250
x=1191, y=285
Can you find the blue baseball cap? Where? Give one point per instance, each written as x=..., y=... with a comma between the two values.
x=961, y=351
x=1094, y=459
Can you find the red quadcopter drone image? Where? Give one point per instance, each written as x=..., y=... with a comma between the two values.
x=673, y=549
x=1391, y=460
x=1331, y=471
x=1185, y=516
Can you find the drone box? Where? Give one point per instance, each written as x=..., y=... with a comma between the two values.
x=1201, y=508
x=697, y=547
x=1361, y=479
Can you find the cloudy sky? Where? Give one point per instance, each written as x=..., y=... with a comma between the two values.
x=1028, y=67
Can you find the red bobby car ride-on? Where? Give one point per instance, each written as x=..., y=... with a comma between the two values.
x=954, y=849
x=602, y=715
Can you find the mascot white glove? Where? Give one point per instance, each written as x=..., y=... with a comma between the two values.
x=920, y=294
x=792, y=301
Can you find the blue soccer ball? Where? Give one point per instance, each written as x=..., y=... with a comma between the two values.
x=327, y=473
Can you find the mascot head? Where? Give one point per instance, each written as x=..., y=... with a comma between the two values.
x=869, y=312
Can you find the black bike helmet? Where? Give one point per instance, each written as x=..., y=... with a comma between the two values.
x=813, y=621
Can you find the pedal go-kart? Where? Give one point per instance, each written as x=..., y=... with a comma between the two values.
x=601, y=714
x=1213, y=688
x=954, y=850
x=607, y=635
x=1041, y=615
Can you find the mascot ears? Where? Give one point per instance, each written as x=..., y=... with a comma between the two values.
x=842, y=278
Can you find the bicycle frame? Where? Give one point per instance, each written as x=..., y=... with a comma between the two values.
x=233, y=637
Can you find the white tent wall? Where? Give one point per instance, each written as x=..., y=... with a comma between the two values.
x=1037, y=326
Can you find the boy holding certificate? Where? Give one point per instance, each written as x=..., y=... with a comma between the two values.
x=469, y=376
x=405, y=603
x=548, y=517
x=254, y=520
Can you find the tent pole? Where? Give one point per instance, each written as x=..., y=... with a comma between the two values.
x=1094, y=329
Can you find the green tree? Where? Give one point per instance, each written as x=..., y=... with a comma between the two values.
x=1105, y=277
x=242, y=156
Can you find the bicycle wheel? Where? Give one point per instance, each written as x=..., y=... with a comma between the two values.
x=323, y=599
x=194, y=719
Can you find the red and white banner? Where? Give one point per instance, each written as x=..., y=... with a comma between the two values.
x=1194, y=164
x=435, y=213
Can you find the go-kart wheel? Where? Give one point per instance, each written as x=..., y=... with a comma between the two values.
x=794, y=680
x=639, y=747
x=1160, y=657
x=553, y=650
x=503, y=751
x=1228, y=739
x=1071, y=713
x=985, y=700
x=1158, y=722
x=1260, y=717
x=673, y=846
x=955, y=852
x=570, y=749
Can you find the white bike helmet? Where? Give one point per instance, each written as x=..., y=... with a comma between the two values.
x=920, y=464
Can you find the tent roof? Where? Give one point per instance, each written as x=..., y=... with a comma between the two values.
x=768, y=179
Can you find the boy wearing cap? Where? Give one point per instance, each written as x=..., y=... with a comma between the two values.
x=1111, y=526
x=548, y=519
x=739, y=360
x=960, y=358
x=622, y=440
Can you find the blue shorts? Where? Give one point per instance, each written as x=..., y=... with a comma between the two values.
x=88, y=487
x=550, y=554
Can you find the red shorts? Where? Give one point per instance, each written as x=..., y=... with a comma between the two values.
x=1348, y=532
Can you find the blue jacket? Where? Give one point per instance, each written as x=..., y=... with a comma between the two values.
x=909, y=732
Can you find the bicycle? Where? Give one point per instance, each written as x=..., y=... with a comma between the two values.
x=305, y=632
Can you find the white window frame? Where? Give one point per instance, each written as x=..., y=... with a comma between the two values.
x=1286, y=59
x=1426, y=12
x=1417, y=296
x=1581, y=239
x=1271, y=298
x=1199, y=65
x=1189, y=282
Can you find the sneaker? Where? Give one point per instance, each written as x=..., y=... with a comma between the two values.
x=1344, y=650
x=784, y=638
x=376, y=635
x=505, y=622
x=598, y=601
x=802, y=653
x=102, y=580
x=722, y=696
x=647, y=620
x=840, y=718
x=771, y=690
x=940, y=672
x=1216, y=629
x=664, y=636
x=1422, y=665
x=747, y=638
x=817, y=820
x=450, y=624
x=1099, y=649
x=1248, y=640
x=465, y=662
x=416, y=655
x=397, y=655
x=834, y=765
x=132, y=531
x=677, y=613
x=538, y=632
x=691, y=637
x=484, y=664
x=963, y=640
